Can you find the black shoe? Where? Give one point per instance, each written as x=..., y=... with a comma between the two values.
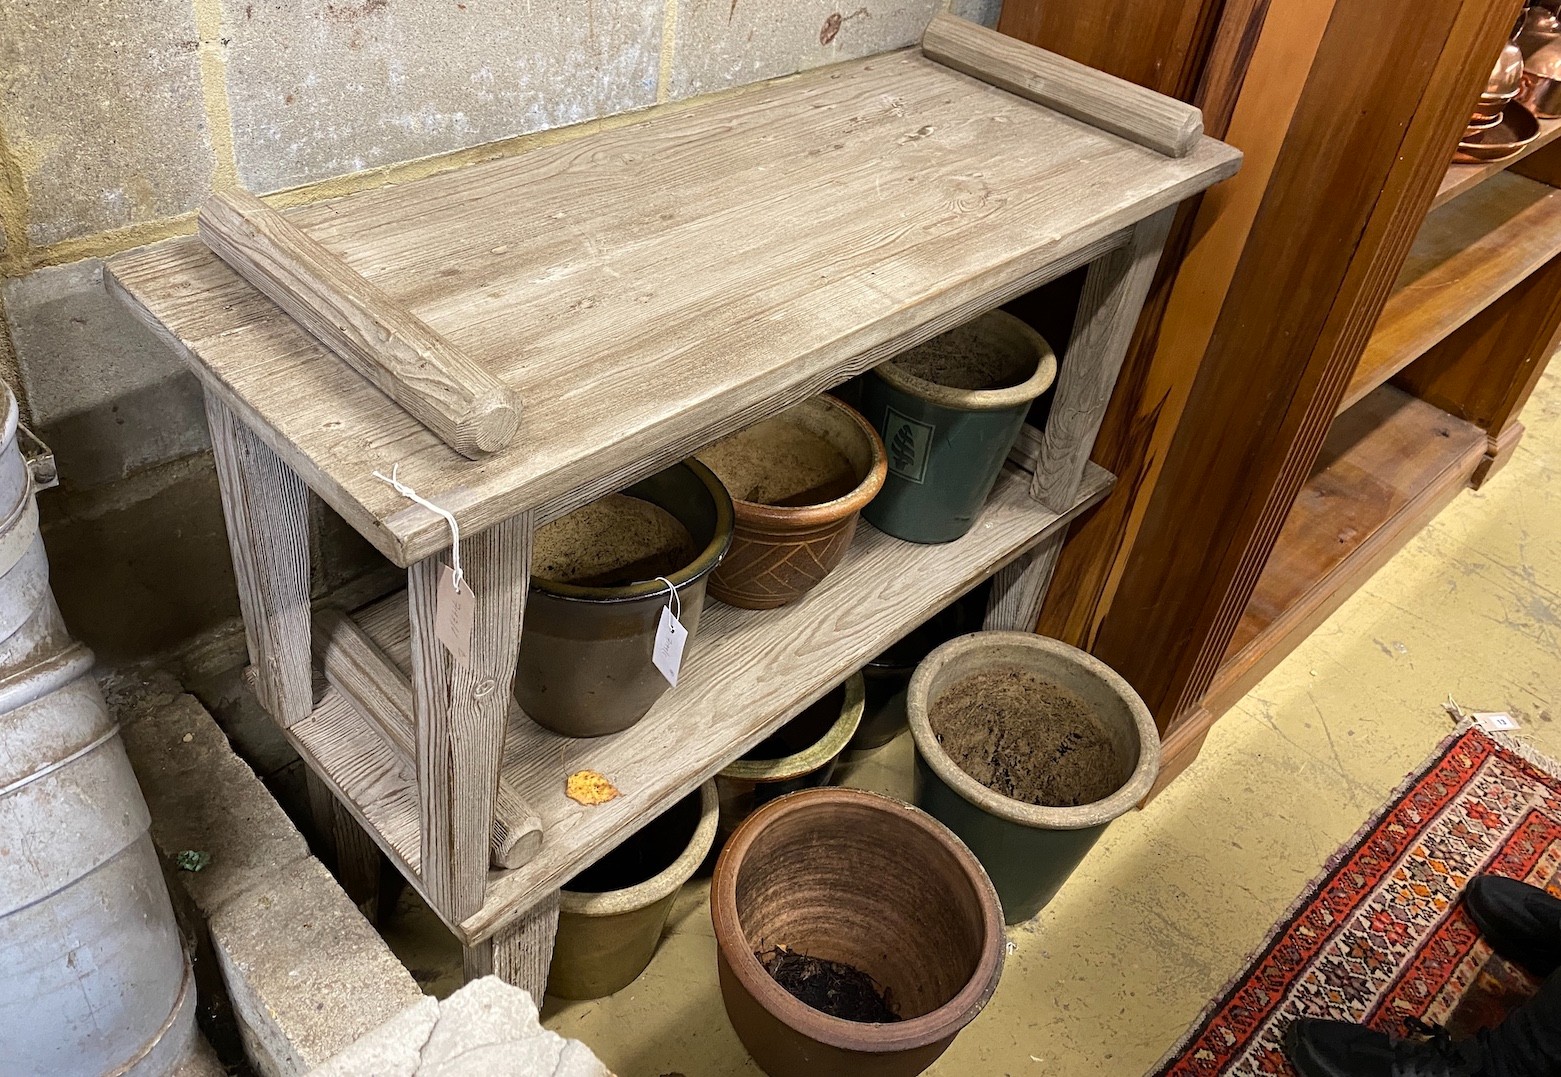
x=1521, y=922
x=1341, y=1049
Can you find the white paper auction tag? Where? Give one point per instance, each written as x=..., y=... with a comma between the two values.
x=667, y=653
x=454, y=613
x=1494, y=721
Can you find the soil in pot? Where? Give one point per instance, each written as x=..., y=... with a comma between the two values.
x=964, y=358
x=831, y=987
x=611, y=542
x=780, y=462
x=1027, y=737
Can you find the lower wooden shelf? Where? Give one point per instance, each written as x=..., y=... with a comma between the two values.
x=1389, y=465
x=745, y=674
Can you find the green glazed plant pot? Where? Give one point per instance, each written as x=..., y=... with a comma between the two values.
x=947, y=442
x=610, y=916
x=1028, y=850
x=800, y=755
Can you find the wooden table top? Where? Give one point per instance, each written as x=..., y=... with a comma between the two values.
x=649, y=288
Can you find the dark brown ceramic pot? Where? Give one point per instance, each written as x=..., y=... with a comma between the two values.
x=851, y=876
x=781, y=551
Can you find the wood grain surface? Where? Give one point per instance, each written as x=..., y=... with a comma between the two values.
x=1467, y=254
x=648, y=289
x=1101, y=100
x=266, y=507
x=354, y=665
x=443, y=388
x=461, y=708
x=745, y=674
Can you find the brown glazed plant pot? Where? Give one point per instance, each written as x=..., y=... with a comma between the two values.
x=851, y=876
x=781, y=551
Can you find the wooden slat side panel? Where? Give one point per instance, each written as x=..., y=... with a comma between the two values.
x=665, y=276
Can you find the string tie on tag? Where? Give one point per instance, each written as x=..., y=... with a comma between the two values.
x=456, y=575
x=674, y=603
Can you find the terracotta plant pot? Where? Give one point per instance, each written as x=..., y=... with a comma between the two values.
x=1029, y=850
x=610, y=916
x=585, y=651
x=796, y=510
x=949, y=411
x=799, y=755
x=854, y=877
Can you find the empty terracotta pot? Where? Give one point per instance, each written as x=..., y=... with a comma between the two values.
x=610, y=916
x=854, y=877
x=798, y=481
x=799, y=755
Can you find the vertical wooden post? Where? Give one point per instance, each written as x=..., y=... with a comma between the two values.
x=520, y=952
x=266, y=507
x=1114, y=292
x=460, y=708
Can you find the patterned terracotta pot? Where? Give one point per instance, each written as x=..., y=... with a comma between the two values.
x=850, y=876
x=781, y=551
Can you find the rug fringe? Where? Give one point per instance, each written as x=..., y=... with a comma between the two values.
x=1521, y=749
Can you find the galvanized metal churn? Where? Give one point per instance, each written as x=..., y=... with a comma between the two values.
x=93, y=979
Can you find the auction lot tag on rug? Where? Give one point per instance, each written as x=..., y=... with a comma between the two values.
x=1494, y=721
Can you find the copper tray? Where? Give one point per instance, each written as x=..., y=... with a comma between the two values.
x=1517, y=129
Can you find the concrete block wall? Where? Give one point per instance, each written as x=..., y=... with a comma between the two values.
x=118, y=117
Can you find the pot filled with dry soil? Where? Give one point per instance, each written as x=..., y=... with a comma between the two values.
x=1027, y=748
x=799, y=755
x=599, y=581
x=610, y=916
x=949, y=411
x=855, y=935
x=798, y=482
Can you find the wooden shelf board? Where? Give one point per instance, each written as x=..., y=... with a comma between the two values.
x=745, y=674
x=649, y=288
x=1390, y=464
x=1467, y=255
x=1461, y=178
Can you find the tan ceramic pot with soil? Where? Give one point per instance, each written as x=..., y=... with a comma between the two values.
x=610, y=916
x=798, y=481
x=850, y=877
x=1028, y=749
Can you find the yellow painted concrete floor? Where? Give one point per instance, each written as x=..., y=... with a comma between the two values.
x=1168, y=905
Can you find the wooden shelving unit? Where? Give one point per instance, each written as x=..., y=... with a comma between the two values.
x=1430, y=408
x=644, y=291
x=1390, y=464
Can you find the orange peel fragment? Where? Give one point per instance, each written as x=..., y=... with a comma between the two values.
x=590, y=788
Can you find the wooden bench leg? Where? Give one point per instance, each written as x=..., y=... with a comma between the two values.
x=519, y=953
x=1114, y=292
x=266, y=506
x=460, y=710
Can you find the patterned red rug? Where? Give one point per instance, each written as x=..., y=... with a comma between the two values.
x=1381, y=935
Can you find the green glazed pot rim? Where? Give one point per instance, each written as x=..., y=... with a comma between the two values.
x=821, y=751
x=701, y=565
x=664, y=883
x=1081, y=817
x=982, y=399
